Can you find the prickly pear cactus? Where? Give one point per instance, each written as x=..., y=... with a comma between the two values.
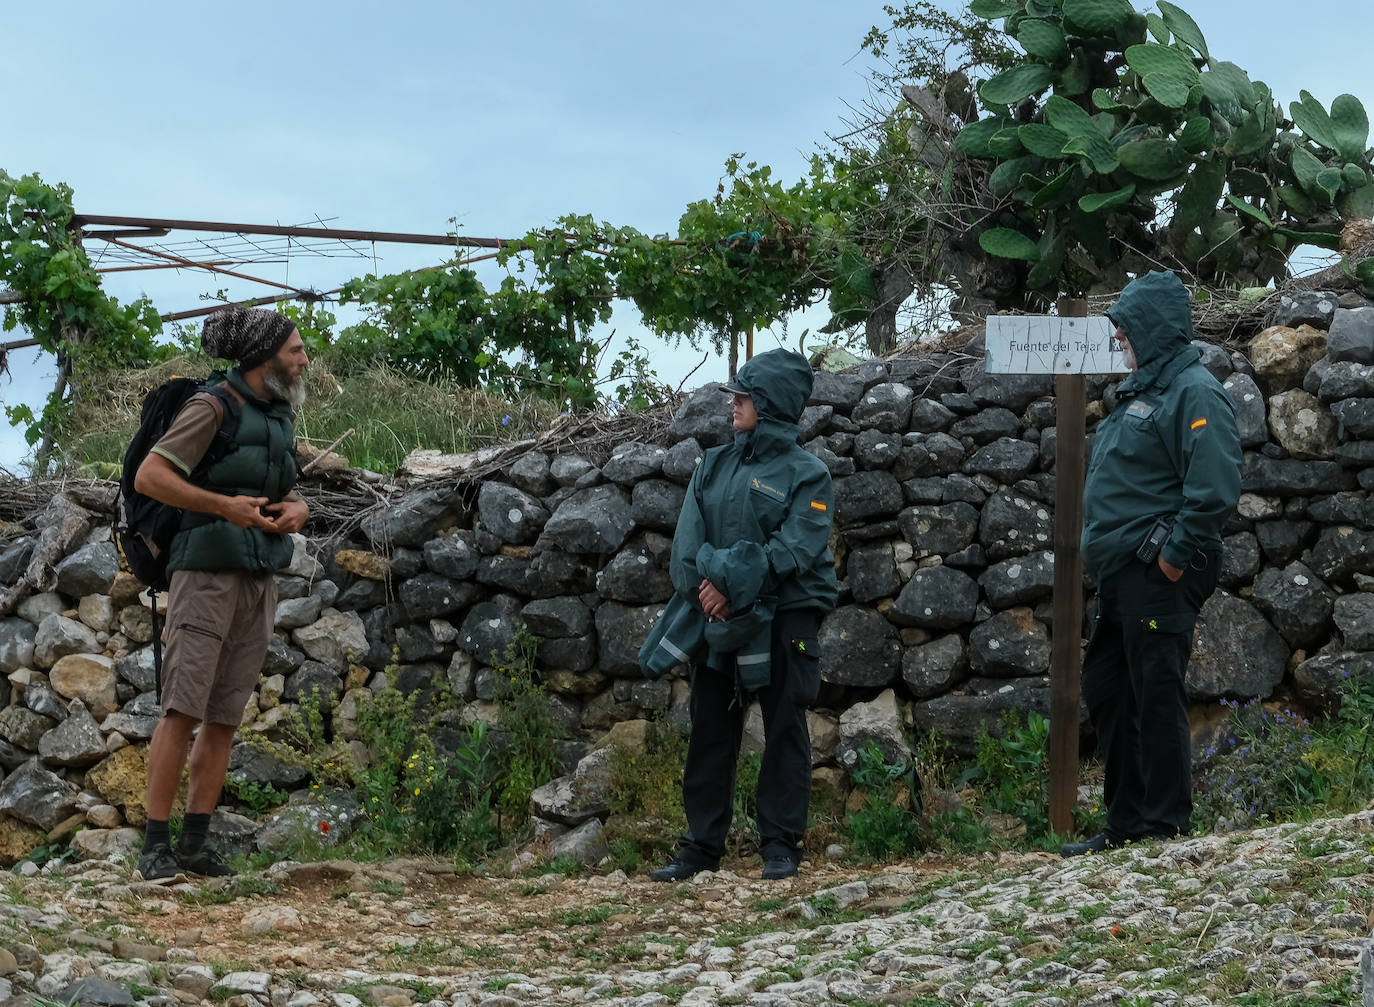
x=1120, y=140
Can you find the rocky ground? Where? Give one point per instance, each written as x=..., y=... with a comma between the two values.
x=1274, y=916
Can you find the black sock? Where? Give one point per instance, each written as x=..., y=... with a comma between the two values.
x=193, y=832
x=157, y=832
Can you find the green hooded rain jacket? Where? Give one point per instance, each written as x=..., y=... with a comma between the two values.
x=1170, y=448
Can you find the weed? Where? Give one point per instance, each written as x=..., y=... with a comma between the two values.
x=885, y=826
x=526, y=726
x=258, y=798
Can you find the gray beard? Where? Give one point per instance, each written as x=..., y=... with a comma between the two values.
x=293, y=393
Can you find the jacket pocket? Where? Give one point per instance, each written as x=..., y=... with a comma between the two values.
x=1168, y=623
x=804, y=666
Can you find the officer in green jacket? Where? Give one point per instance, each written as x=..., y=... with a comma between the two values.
x=1164, y=477
x=762, y=488
x=240, y=511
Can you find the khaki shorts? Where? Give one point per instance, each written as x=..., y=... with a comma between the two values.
x=218, y=627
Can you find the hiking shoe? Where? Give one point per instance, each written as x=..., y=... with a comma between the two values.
x=679, y=870
x=158, y=862
x=205, y=862
x=777, y=868
x=1093, y=844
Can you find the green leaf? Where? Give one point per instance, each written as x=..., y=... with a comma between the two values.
x=1309, y=116
x=1076, y=77
x=1005, y=243
x=1010, y=86
x=1321, y=239
x=1198, y=199
x=1356, y=203
x=1247, y=182
x=1298, y=202
x=973, y=139
x=1197, y=135
x=1045, y=272
x=1184, y=27
x=1107, y=102
x=1043, y=139
x=1349, y=127
x=1098, y=201
x=1168, y=90
x=1043, y=40
x=1229, y=89
x=1056, y=191
x=1306, y=167
x=1096, y=17
x=1085, y=138
x=1005, y=143
x=1156, y=26
x=1249, y=209
x=1007, y=175
x=1329, y=182
x=993, y=8
x=1165, y=59
x=1249, y=137
x=1364, y=276
x=1154, y=160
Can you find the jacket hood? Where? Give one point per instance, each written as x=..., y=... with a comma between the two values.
x=779, y=382
x=1155, y=312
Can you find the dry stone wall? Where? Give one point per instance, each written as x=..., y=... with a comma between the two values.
x=944, y=489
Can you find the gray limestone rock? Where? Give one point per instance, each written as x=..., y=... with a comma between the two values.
x=959, y=719
x=23, y=728
x=933, y=668
x=987, y=425
x=1011, y=644
x=314, y=678
x=1020, y=580
x=293, y=613
x=336, y=639
x=705, y=417
x=1303, y=426
x=632, y=461
x=40, y=697
x=1236, y=652
x=505, y=573
x=585, y=844
x=1005, y=459
x=842, y=392
x=885, y=407
x=939, y=530
x=1321, y=681
x=553, y=573
x=573, y=471
x=1353, y=615
x=1251, y=409
x=1289, y=477
x=416, y=518
x=1351, y=336
x=595, y=520
x=1341, y=552
x=37, y=607
x=58, y=636
x=556, y=618
x=489, y=628
x=656, y=503
x=580, y=796
x=874, y=449
x=813, y=421
x=1344, y=379
x=77, y=741
x=14, y=558
x=417, y=643
x=530, y=472
x=38, y=796
x=936, y=597
x=1306, y=307
x=637, y=575
x=430, y=596
x=621, y=631
x=509, y=513
x=878, y=722
x=1240, y=559
x=454, y=556
x=1296, y=601
x=858, y=647
x=1011, y=525
x=89, y=570
x=865, y=497
x=252, y=765
x=872, y=572
x=16, y=644
x=1355, y=416
x=682, y=460
x=929, y=416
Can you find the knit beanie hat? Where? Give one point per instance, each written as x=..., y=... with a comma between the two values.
x=247, y=336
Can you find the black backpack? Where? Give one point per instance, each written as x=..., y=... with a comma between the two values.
x=144, y=527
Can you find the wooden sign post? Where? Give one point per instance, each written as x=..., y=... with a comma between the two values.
x=1067, y=345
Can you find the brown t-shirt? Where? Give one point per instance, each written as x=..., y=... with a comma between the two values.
x=192, y=431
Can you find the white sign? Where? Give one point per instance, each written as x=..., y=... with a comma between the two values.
x=1049, y=344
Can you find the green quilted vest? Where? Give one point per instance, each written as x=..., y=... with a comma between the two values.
x=262, y=463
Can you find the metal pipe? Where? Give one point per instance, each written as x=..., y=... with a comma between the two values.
x=397, y=237
x=193, y=264
x=159, y=265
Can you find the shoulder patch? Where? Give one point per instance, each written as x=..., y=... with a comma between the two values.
x=818, y=505
x=1198, y=423
x=1140, y=408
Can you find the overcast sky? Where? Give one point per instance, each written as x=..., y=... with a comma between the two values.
x=505, y=116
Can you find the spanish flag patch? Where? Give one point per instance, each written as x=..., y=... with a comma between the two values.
x=817, y=505
x=1198, y=424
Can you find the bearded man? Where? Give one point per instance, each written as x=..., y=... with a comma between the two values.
x=240, y=511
